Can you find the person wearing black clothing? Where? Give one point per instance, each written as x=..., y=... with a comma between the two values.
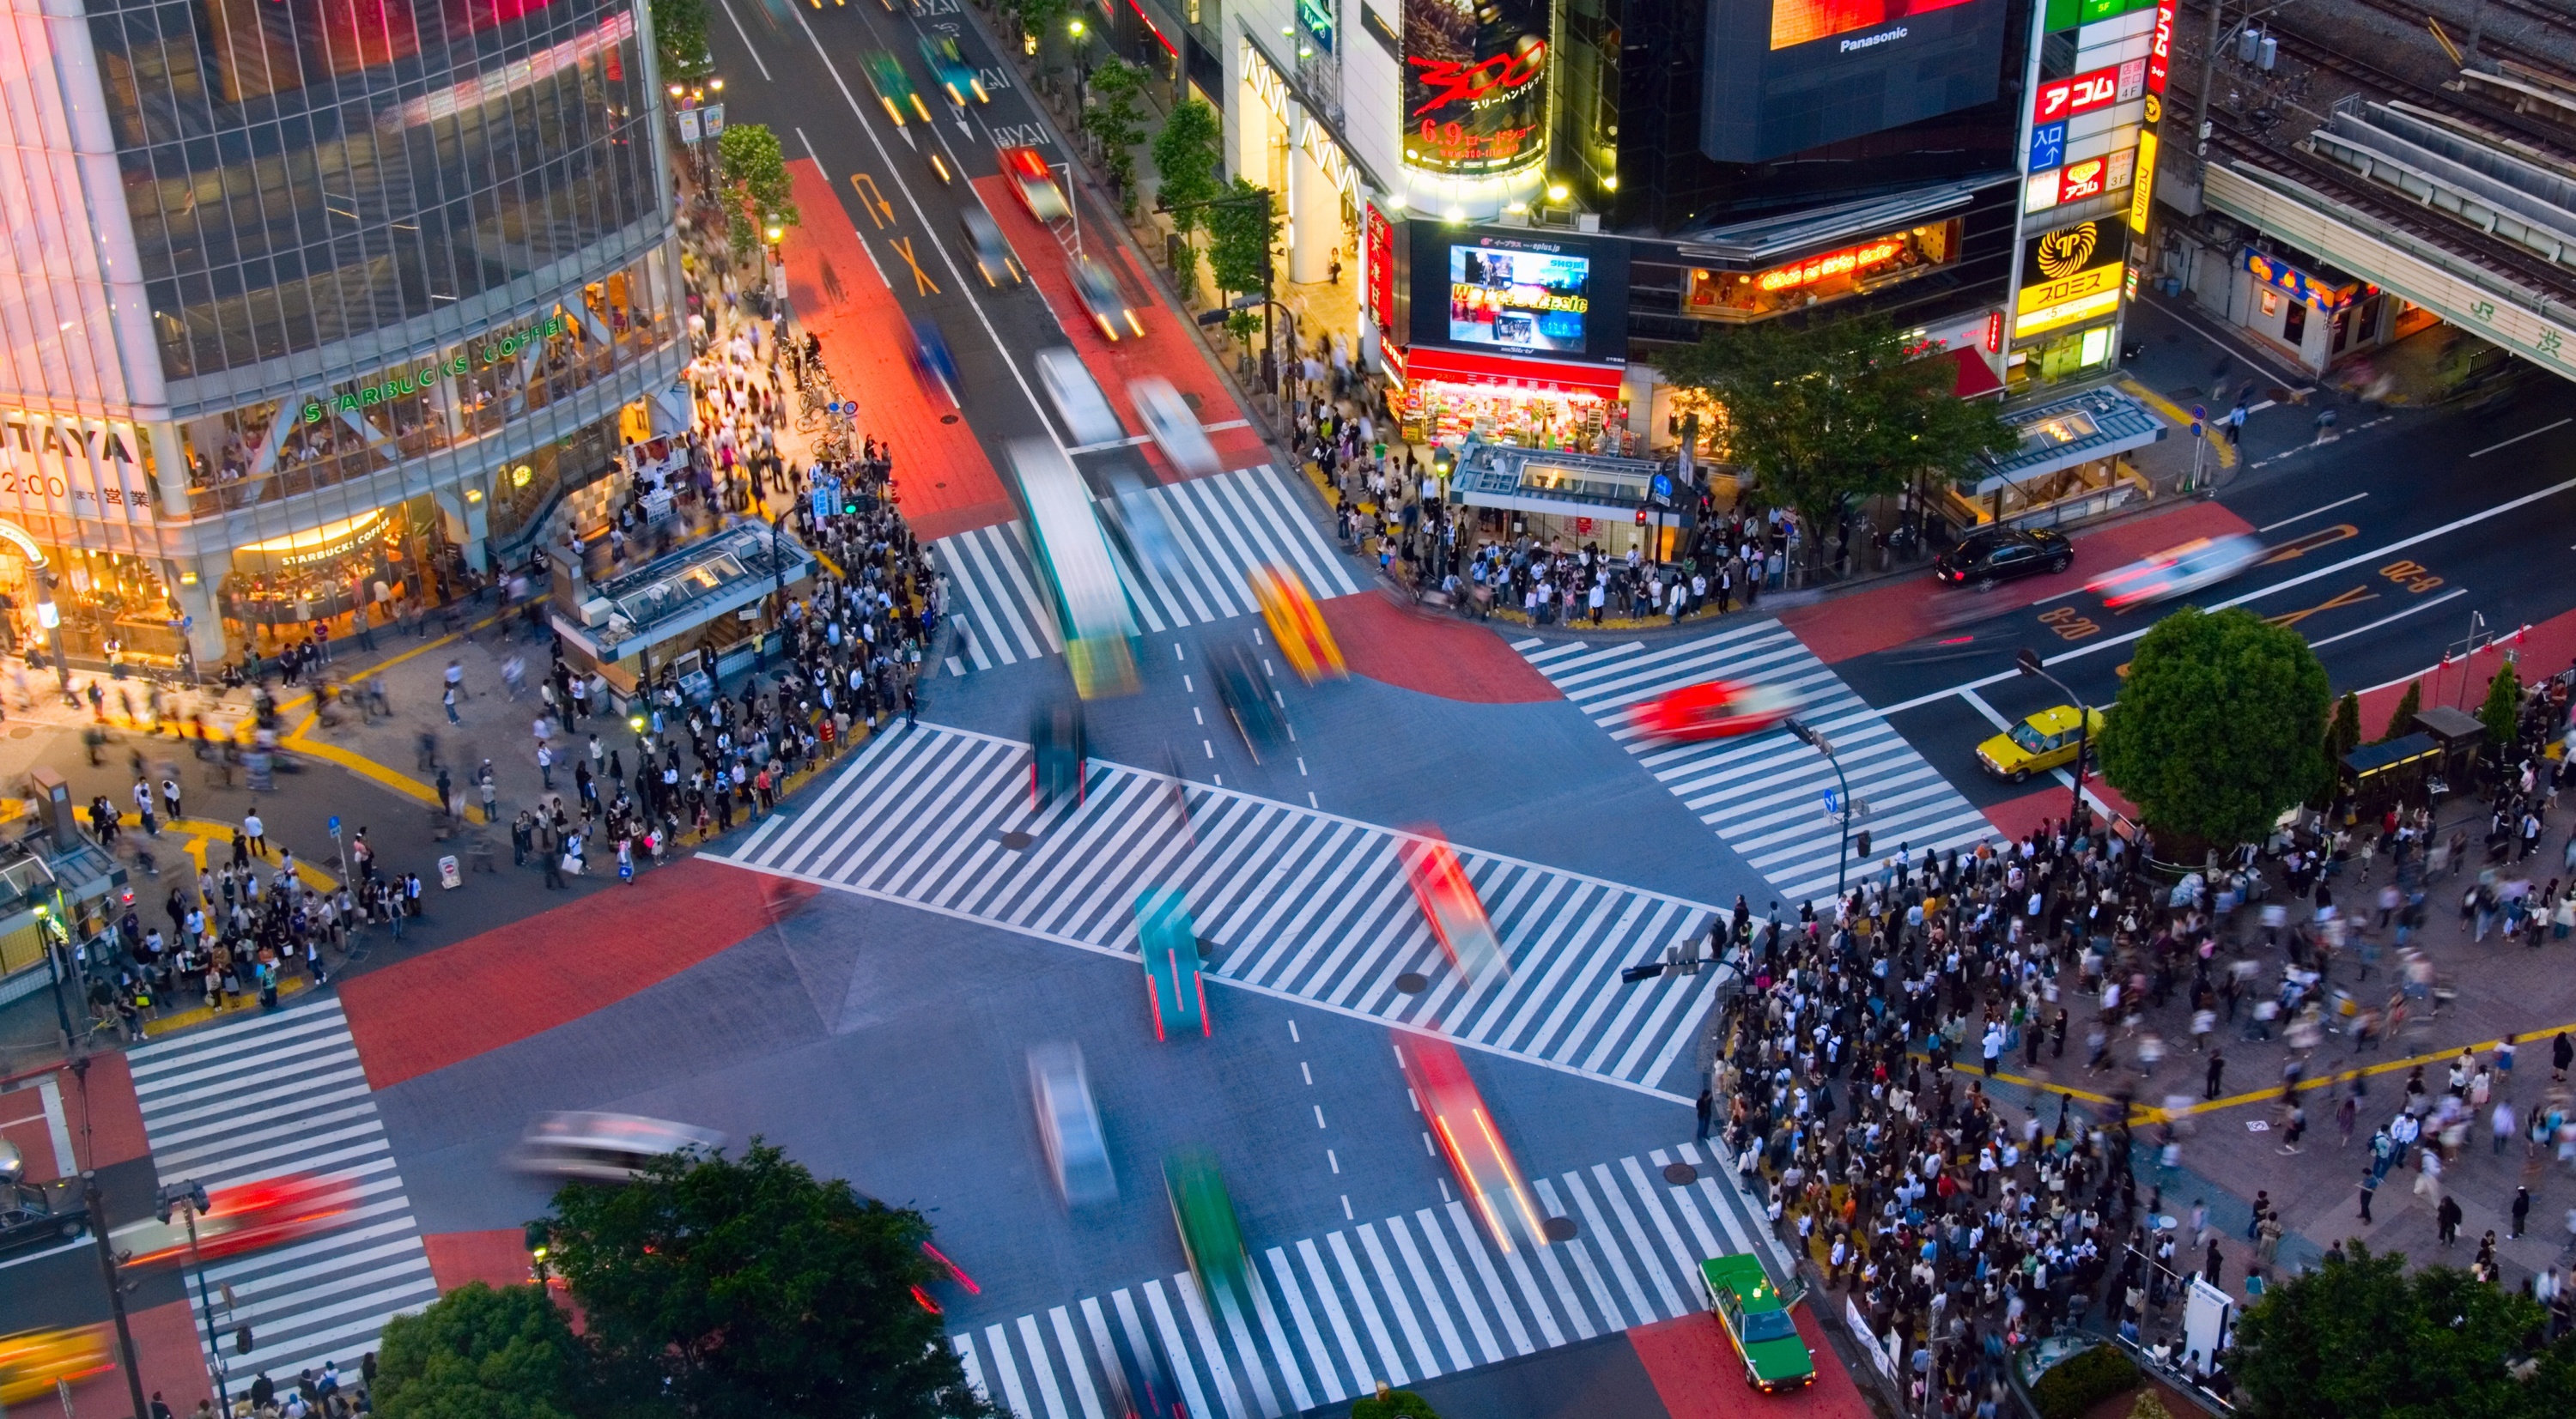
x=263, y=1392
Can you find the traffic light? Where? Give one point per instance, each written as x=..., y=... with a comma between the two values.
x=537, y=1236
x=241, y=1340
x=1860, y=843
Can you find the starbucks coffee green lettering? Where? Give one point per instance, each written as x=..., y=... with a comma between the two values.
x=414, y=381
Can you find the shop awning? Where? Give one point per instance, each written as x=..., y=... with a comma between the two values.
x=1976, y=377
x=1423, y=362
x=2096, y=424
x=1566, y=484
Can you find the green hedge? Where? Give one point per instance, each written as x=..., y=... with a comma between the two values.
x=2076, y=1384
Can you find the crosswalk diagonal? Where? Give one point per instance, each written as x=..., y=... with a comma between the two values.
x=1399, y=1299
x=261, y=1098
x=1287, y=900
x=1222, y=527
x=1765, y=793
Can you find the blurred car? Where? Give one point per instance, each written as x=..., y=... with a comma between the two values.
x=1077, y=1150
x=1108, y=307
x=1168, y=942
x=1204, y=1214
x=993, y=258
x=1130, y=515
x=1757, y=1323
x=603, y=1147
x=1087, y=415
x=2177, y=571
x=1449, y=903
x=1486, y=1170
x=1034, y=182
x=949, y=68
x=242, y=1218
x=1256, y=716
x=1297, y=623
x=1058, y=756
x=31, y=1214
x=1139, y=1379
x=1998, y=554
x=1174, y=425
x=2046, y=740
x=32, y=1361
x=932, y=364
x=894, y=86
x=1717, y=710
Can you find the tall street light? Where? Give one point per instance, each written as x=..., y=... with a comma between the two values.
x=2027, y=660
x=1841, y=815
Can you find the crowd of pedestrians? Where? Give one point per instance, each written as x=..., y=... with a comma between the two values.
x=1853, y=1072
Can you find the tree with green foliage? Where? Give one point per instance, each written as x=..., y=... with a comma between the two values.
x=1115, y=120
x=2502, y=712
x=1393, y=1404
x=2363, y=1337
x=1829, y=411
x=747, y=1288
x=478, y=1353
x=2343, y=732
x=680, y=40
x=2401, y=721
x=1189, y=164
x=1242, y=228
x=2220, y=726
x=752, y=171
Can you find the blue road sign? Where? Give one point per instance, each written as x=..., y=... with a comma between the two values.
x=1829, y=800
x=335, y=825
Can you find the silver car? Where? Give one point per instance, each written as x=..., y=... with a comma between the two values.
x=603, y=1147
x=1175, y=427
x=1086, y=411
x=1069, y=1125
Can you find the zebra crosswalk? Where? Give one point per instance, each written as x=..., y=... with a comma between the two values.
x=1292, y=901
x=1764, y=793
x=1409, y=1297
x=1221, y=526
x=274, y=1094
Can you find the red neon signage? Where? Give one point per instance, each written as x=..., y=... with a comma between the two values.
x=2083, y=93
x=1832, y=263
x=2160, y=49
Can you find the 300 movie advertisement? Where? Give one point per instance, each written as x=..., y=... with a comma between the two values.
x=1475, y=85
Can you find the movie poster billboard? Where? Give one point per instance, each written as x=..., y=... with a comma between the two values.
x=1475, y=85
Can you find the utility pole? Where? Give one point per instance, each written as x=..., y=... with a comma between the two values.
x=2200, y=106
x=96, y=1202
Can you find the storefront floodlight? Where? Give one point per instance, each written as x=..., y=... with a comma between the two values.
x=1556, y=191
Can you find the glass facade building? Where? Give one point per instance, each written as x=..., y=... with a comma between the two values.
x=311, y=304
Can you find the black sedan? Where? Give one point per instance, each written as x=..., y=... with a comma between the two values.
x=1993, y=554
x=31, y=1214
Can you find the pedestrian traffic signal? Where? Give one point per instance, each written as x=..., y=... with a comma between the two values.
x=241, y=1340
x=1860, y=843
x=537, y=1235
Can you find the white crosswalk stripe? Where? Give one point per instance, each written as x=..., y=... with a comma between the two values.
x=1764, y=793
x=1387, y=1300
x=1290, y=901
x=271, y=1095
x=1222, y=526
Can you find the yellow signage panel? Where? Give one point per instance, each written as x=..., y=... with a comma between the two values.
x=2068, y=312
x=2046, y=294
x=2142, y=194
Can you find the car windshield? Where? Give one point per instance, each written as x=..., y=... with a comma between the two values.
x=2027, y=735
x=1769, y=1325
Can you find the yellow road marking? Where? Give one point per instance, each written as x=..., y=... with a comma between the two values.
x=879, y=210
x=922, y=284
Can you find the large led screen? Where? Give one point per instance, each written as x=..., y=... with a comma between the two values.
x=1790, y=75
x=1545, y=297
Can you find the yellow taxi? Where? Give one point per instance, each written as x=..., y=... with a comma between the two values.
x=1297, y=623
x=32, y=1360
x=2046, y=740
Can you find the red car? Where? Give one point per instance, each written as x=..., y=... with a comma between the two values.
x=1449, y=903
x=1034, y=181
x=1716, y=710
x=244, y=1218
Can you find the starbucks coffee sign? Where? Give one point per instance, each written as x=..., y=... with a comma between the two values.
x=413, y=379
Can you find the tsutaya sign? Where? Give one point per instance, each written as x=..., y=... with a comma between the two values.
x=69, y=466
x=430, y=372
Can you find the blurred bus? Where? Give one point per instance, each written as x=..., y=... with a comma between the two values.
x=1073, y=559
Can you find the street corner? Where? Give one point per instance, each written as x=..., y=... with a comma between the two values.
x=497, y=1258
x=62, y=1123
x=481, y=994
x=2018, y=818
x=1698, y=1376
x=1432, y=654
x=169, y=1356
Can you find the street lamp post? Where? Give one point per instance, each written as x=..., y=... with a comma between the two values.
x=2028, y=662
x=1843, y=816
x=189, y=1197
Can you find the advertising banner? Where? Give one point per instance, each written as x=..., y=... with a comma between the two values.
x=2070, y=275
x=1540, y=298
x=1788, y=75
x=66, y=466
x=1475, y=85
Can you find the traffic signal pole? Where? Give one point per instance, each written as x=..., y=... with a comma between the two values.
x=96, y=1202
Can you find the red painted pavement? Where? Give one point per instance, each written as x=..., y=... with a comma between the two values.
x=1698, y=1376
x=533, y=975
x=944, y=482
x=172, y=1358
x=1168, y=348
x=1890, y=615
x=1431, y=654
x=497, y=1259
x=2016, y=818
x=2543, y=650
x=106, y=1125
